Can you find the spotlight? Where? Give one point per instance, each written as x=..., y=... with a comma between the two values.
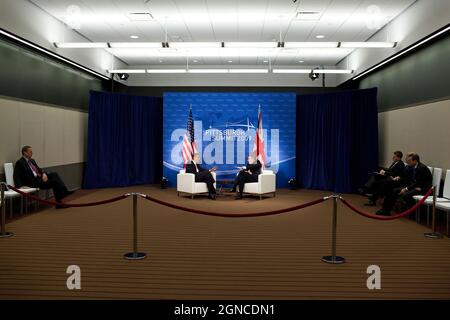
x=123, y=76
x=164, y=182
x=293, y=183
x=313, y=76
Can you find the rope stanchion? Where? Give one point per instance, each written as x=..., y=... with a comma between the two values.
x=135, y=255
x=234, y=215
x=334, y=259
x=65, y=204
x=397, y=216
x=3, y=233
x=433, y=234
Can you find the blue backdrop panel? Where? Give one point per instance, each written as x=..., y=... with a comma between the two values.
x=225, y=126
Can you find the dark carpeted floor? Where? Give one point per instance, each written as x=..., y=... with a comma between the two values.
x=200, y=257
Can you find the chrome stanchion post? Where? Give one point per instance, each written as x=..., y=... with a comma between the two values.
x=334, y=259
x=3, y=233
x=135, y=255
x=433, y=234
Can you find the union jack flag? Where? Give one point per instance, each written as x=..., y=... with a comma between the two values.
x=258, y=148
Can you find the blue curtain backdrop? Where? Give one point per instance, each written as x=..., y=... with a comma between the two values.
x=124, y=140
x=337, y=139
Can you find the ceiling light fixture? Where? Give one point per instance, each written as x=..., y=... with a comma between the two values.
x=195, y=44
x=166, y=70
x=251, y=44
x=334, y=71
x=291, y=71
x=248, y=70
x=135, y=44
x=208, y=70
x=306, y=71
x=311, y=44
x=368, y=44
x=127, y=71
x=81, y=45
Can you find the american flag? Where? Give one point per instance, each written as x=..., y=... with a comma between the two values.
x=258, y=147
x=189, y=146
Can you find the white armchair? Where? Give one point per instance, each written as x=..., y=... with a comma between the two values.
x=186, y=184
x=266, y=184
x=10, y=194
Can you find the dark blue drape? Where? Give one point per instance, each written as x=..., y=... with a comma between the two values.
x=337, y=139
x=124, y=140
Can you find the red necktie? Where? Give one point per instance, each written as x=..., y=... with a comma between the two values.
x=33, y=167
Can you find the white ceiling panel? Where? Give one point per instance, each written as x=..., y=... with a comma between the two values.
x=229, y=21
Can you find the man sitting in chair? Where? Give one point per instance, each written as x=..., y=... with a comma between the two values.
x=249, y=173
x=378, y=180
x=420, y=183
x=202, y=175
x=28, y=174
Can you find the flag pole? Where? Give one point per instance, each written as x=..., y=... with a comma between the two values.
x=258, y=133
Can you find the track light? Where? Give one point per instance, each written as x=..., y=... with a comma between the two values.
x=313, y=75
x=123, y=76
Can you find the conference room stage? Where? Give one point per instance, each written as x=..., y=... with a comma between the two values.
x=237, y=254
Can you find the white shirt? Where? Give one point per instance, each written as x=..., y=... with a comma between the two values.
x=196, y=168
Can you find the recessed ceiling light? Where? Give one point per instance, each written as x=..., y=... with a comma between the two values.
x=320, y=36
x=134, y=37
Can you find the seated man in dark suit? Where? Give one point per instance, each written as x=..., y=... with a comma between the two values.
x=377, y=180
x=400, y=181
x=28, y=174
x=421, y=182
x=249, y=173
x=202, y=175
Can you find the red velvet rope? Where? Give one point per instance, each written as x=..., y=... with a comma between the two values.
x=397, y=216
x=54, y=203
x=232, y=215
